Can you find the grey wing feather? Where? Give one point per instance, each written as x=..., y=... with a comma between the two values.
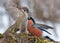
x=44, y=30
x=43, y=26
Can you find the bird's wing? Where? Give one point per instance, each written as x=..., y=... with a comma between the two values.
x=39, y=26
x=44, y=30
x=43, y=26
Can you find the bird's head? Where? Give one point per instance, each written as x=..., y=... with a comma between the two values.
x=25, y=11
x=31, y=20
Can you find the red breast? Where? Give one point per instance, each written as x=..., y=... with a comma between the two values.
x=32, y=30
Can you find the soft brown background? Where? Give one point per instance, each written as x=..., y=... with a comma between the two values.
x=41, y=9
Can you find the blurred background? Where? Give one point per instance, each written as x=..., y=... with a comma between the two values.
x=43, y=11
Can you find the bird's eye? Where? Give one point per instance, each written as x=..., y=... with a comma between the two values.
x=26, y=10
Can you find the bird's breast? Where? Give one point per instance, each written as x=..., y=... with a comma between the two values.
x=34, y=31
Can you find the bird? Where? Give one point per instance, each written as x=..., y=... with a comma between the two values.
x=19, y=21
x=15, y=29
x=34, y=29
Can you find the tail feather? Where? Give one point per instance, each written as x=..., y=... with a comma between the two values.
x=47, y=37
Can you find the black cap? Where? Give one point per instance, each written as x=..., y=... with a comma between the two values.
x=30, y=18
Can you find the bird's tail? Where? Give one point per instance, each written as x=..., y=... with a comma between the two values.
x=47, y=37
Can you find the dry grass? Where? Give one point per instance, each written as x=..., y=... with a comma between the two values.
x=24, y=38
